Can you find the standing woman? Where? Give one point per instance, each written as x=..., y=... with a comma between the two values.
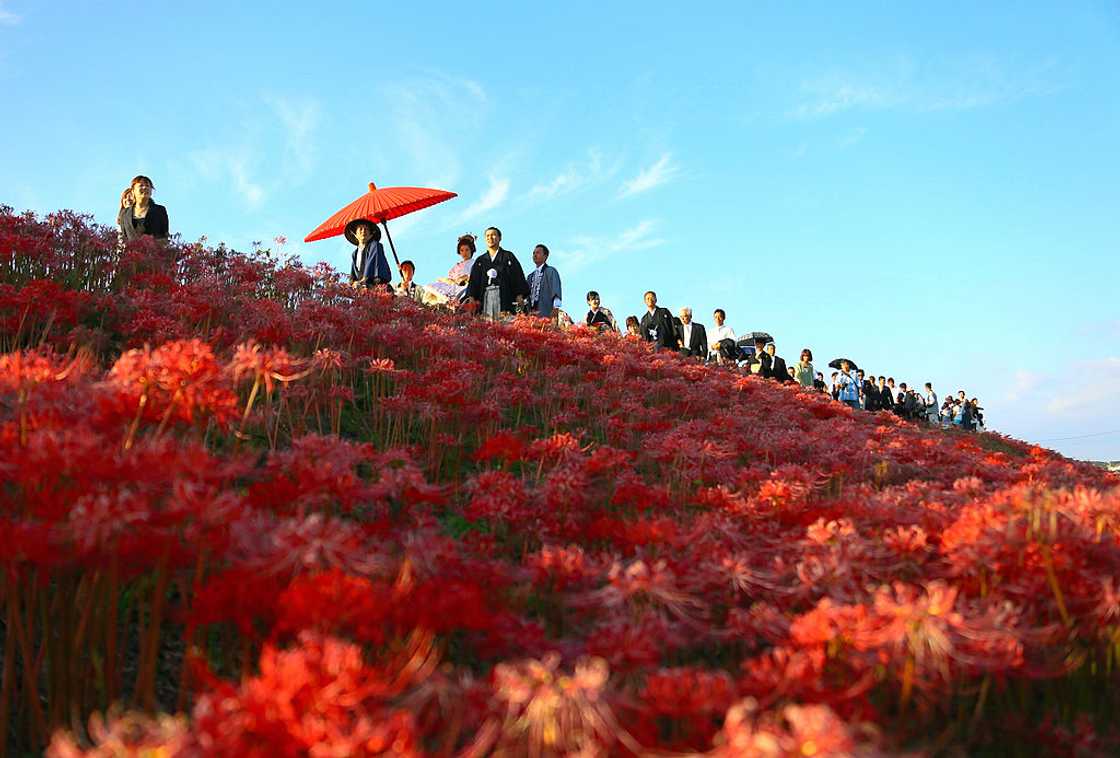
x=804, y=373
x=126, y=202
x=142, y=216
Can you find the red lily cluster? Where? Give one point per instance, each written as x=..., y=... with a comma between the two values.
x=315, y=521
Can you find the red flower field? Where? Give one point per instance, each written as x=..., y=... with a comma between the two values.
x=248, y=511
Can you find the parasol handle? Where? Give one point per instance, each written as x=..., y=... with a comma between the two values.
x=391, y=245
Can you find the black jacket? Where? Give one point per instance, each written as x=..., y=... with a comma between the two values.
x=511, y=278
x=154, y=224
x=870, y=395
x=658, y=328
x=697, y=346
x=778, y=369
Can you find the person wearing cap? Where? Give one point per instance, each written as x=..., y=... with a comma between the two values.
x=368, y=265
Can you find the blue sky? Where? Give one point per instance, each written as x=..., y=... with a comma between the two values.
x=929, y=188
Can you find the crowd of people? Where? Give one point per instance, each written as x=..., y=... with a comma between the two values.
x=494, y=285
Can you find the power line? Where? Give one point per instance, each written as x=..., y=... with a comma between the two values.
x=1079, y=436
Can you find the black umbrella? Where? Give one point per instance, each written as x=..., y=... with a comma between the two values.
x=758, y=337
x=836, y=364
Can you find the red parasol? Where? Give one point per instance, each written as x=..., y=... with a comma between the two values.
x=378, y=206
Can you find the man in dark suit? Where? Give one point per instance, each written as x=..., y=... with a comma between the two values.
x=870, y=392
x=692, y=337
x=498, y=266
x=762, y=359
x=775, y=367
x=886, y=398
x=656, y=325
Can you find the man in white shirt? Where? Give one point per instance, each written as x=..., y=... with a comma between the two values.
x=718, y=349
x=932, y=410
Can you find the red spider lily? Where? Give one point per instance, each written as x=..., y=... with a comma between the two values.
x=319, y=698
x=693, y=699
x=502, y=492
x=265, y=366
x=639, y=583
x=549, y=712
x=799, y=731
x=501, y=496
x=637, y=641
x=173, y=382
x=117, y=734
x=503, y=446
x=291, y=546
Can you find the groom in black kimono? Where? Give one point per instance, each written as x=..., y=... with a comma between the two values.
x=657, y=324
x=512, y=286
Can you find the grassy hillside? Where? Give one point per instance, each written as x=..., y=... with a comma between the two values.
x=315, y=521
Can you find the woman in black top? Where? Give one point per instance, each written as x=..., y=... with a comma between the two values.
x=142, y=216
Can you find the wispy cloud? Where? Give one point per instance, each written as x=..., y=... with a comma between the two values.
x=429, y=116
x=496, y=194
x=1095, y=389
x=299, y=117
x=852, y=137
x=1023, y=383
x=575, y=176
x=648, y=178
x=904, y=85
x=234, y=164
x=586, y=249
x=7, y=18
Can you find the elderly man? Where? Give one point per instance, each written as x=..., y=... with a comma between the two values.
x=693, y=337
x=777, y=365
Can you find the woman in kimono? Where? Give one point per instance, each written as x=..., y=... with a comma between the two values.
x=598, y=317
x=450, y=288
